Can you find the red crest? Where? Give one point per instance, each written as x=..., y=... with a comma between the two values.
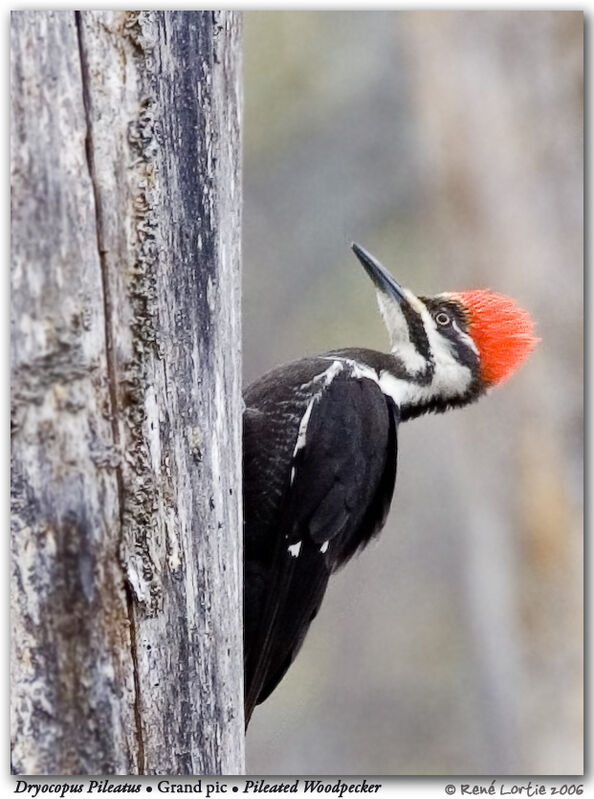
x=502, y=331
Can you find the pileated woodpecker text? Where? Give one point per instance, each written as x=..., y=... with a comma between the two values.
x=320, y=445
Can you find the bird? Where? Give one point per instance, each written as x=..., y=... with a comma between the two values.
x=320, y=446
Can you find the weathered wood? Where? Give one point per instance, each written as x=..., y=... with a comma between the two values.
x=126, y=644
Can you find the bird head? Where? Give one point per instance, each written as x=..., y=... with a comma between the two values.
x=450, y=347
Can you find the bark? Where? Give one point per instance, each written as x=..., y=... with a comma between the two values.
x=126, y=650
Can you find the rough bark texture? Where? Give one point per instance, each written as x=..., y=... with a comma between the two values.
x=126, y=517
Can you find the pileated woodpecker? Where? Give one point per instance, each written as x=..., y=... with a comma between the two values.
x=320, y=444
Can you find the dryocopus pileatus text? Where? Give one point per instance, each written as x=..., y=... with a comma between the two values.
x=320, y=441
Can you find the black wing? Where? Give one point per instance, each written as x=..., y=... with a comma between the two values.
x=335, y=496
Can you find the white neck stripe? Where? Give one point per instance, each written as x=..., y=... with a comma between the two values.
x=448, y=383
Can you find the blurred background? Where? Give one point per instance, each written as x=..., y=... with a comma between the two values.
x=450, y=145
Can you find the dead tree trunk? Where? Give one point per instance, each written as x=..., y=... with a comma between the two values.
x=126, y=650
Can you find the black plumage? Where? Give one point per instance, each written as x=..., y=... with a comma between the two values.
x=324, y=499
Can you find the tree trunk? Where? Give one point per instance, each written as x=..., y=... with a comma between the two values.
x=126, y=648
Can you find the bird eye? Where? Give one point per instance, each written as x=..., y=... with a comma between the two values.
x=442, y=318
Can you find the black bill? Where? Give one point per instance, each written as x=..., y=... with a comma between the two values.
x=380, y=276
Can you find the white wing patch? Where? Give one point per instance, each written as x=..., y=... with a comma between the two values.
x=295, y=549
x=302, y=434
x=324, y=547
x=328, y=376
x=325, y=378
